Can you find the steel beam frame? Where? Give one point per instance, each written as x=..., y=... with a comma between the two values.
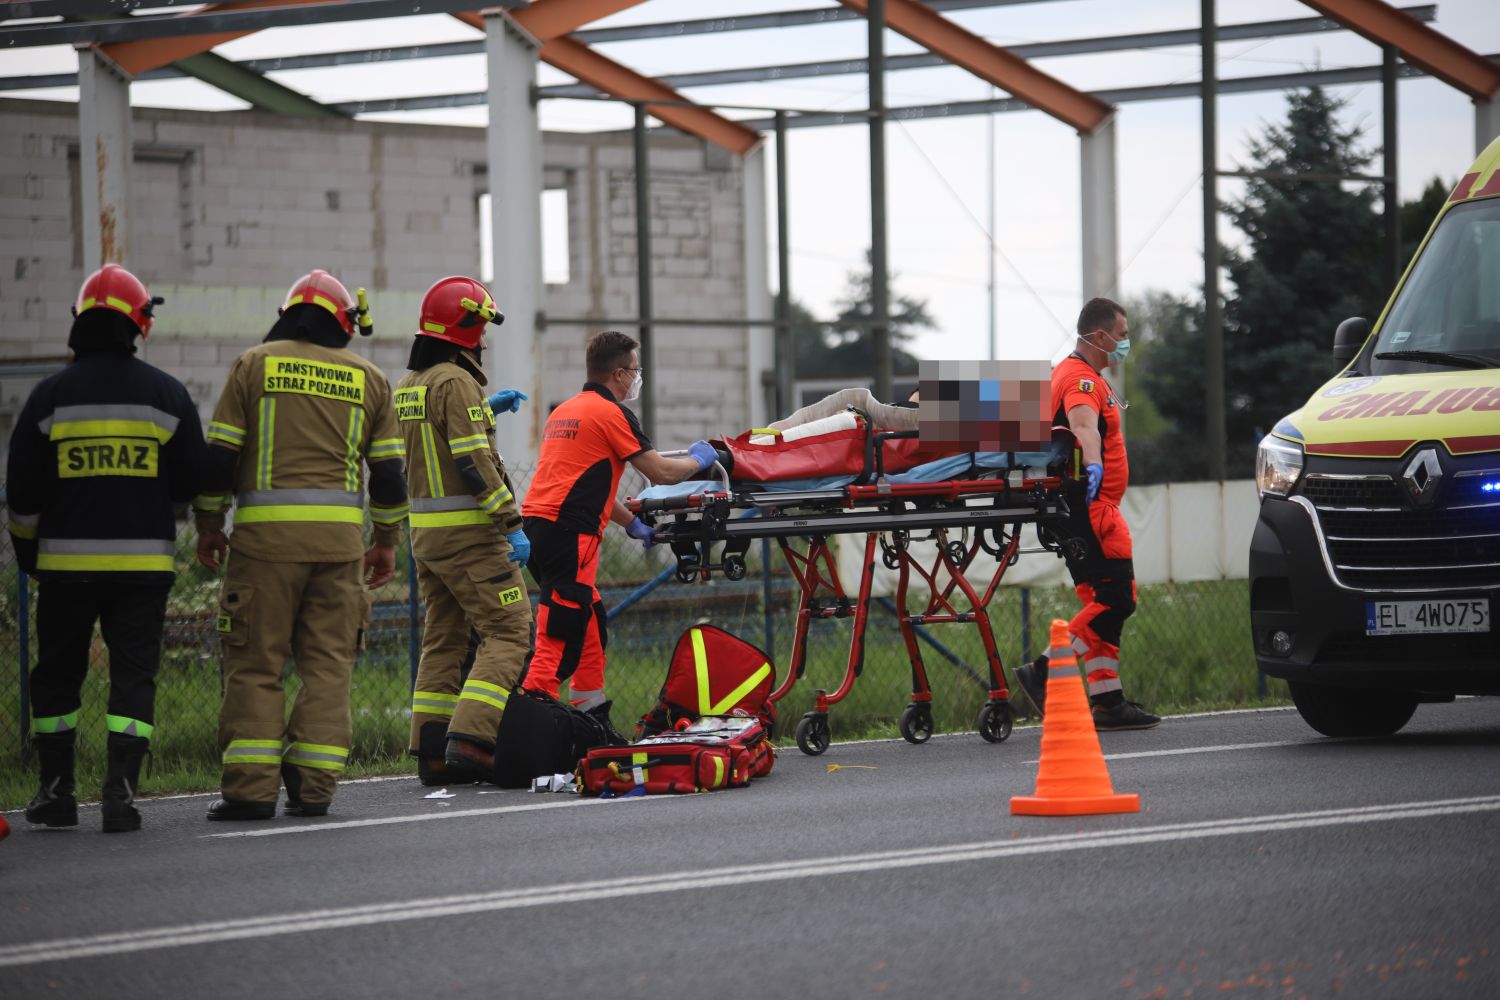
x=752, y=74
x=1442, y=57
x=992, y=64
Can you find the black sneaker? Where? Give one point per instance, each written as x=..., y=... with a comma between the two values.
x=1032, y=677
x=1124, y=715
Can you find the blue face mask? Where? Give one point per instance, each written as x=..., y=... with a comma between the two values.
x=1120, y=351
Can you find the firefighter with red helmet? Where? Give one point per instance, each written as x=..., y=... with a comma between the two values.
x=466, y=537
x=300, y=418
x=99, y=455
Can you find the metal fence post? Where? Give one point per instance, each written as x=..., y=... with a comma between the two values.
x=23, y=607
x=1025, y=624
x=414, y=647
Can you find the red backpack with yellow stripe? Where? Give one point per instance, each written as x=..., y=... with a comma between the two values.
x=713, y=673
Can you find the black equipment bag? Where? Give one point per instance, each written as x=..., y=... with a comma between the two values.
x=541, y=736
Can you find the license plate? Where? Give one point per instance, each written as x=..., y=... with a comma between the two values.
x=1427, y=617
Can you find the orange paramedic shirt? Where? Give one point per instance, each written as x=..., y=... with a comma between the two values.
x=1075, y=383
x=585, y=445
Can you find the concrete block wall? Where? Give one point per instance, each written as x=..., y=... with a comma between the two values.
x=227, y=208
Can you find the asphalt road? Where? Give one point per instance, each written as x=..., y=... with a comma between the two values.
x=1266, y=861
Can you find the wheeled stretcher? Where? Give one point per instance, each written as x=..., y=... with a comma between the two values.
x=966, y=503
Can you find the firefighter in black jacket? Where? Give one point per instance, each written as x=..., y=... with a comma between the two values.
x=100, y=453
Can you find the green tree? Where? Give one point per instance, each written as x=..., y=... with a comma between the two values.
x=843, y=348
x=1417, y=216
x=1312, y=257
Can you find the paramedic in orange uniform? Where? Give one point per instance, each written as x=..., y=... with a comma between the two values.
x=571, y=499
x=1104, y=575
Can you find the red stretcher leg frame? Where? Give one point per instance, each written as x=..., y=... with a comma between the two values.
x=823, y=597
x=995, y=720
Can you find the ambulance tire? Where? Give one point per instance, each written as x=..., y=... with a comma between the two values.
x=1342, y=711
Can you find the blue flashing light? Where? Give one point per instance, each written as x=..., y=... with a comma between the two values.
x=1490, y=487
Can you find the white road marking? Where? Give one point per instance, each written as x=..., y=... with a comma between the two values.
x=1215, y=749
x=63, y=949
x=276, y=831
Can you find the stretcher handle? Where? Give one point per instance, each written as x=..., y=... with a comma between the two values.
x=718, y=467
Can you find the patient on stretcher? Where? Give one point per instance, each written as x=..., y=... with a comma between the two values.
x=967, y=419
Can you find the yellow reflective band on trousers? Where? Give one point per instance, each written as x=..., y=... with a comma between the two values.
x=56, y=723
x=445, y=512
x=300, y=506
x=430, y=460
x=464, y=445
x=126, y=726
x=24, y=525
x=211, y=503
x=352, y=440
x=484, y=691
x=267, y=442
x=706, y=704
x=433, y=702
x=319, y=755
x=253, y=752
x=110, y=555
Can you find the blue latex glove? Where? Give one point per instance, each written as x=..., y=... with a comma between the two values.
x=703, y=453
x=520, y=547
x=506, y=401
x=1096, y=476
x=641, y=532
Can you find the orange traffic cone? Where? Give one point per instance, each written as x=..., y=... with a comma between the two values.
x=1071, y=779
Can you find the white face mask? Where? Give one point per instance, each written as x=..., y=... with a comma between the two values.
x=634, y=392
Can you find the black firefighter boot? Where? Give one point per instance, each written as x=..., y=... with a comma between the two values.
x=600, y=712
x=121, y=780
x=432, y=768
x=467, y=760
x=54, y=804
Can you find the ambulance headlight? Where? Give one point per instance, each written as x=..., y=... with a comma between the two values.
x=1278, y=463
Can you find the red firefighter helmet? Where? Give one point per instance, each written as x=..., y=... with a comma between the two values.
x=320, y=288
x=456, y=309
x=113, y=287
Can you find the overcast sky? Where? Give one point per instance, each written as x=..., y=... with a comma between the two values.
x=937, y=170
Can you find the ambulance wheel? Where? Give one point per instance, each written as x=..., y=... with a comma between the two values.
x=916, y=723
x=734, y=567
x=994, y=722
x=812, y=734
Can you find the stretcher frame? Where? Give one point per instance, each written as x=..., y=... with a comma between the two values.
x=986, y=513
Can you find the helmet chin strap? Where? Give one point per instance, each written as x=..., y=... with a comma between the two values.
x=470, y=359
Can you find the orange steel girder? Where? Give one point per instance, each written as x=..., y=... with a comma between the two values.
x=550, y=20
x=993, y=64
x=153, y=53
x=1429, y=50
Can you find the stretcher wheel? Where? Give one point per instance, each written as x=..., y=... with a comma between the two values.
x=994, y=722
x=687, y=572
x=812, y=734
x=916, y=723
x=957, y=551
x=734, y=567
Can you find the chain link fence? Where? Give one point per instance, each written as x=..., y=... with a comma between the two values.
x=1187, y=646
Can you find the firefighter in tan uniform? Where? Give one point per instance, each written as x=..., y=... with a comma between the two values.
x=466, y=536
x=300, y=417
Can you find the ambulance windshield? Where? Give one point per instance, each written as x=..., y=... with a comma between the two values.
x=1448, y=313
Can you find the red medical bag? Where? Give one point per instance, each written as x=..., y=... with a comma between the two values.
x=709, y=754
x=713, y=672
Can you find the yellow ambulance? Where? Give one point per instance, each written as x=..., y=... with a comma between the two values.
x=1375, y=564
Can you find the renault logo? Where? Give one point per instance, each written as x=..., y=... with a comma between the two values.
x=1422, y=477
